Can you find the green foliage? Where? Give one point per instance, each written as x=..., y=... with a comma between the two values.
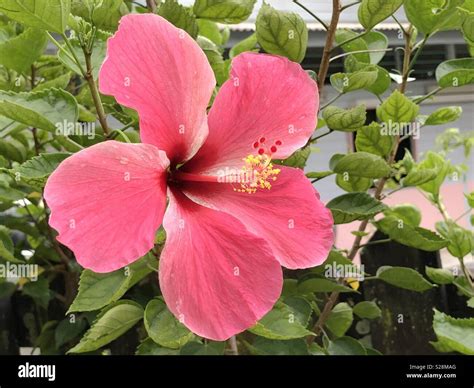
x=282, y=33
x=372, y=12
x=224, y=11
x=354, y=206
x=180, y=16
x=404, y=277
x=362, y=164
x=455, y=72
x=345, y=120
x=453, y=335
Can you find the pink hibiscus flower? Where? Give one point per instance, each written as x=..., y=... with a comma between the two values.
x=233, y=218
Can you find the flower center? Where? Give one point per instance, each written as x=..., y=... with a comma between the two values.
x=258, y=170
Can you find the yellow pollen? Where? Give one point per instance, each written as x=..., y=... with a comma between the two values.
x=258, y=172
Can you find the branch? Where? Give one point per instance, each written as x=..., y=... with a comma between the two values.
x=151, y=5
x=324, y=65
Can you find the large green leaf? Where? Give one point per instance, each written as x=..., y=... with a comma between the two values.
x=20, y=52
x=104, y=14
x=439, y=275
x=346, y=346
x=348, y=82
x=210, y=348
x=429, y=16
x=372, y=12
x=248, y=44
x=453, y=334
x=381, y=83
x=367, y=309
x=362, y=164
x=266, y=347
x=404, y=277
x=364, y=46
x=281, y=323
x=110, y=324
x=97, y=290
x=371, y=139
x=282, y=33
x=35, y=171
x=163, y=327
x=340, y=319
x=397, y=108
x=224, y=11
x=406, y=234
x=437, y=163
x=351, y=183
x=455, y=72
x=444, y=115
x=49, y=15
x=354, y=206
x=45, y=109
x=150, y=348
x=345, y=120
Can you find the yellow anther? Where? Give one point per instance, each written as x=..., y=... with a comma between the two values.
x=258, y=172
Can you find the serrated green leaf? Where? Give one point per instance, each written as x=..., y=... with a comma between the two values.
x=362, y=164
x=179, y=16
x=367, y=309
x=455, y=72
x=346, y=346
x=48, y=15
x=404, y=277
x=248, y=44
x=454, y=334
x=439, y=275
x=406, y=234
x=348, y=82
x=340, y=319
x=397, y=108
x=354, y=206
x=371, y=139
x=110, y=324
x=444, y=115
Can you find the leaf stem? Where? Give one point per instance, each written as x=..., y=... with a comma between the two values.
x=355, y=37
x=312, y=14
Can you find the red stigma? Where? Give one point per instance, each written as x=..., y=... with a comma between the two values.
x=256, y=144
x=278, y=143
x=261, y=151
x=273, y=149
x=262, y=140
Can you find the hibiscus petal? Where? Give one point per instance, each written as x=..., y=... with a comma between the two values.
x=289, y=216
x=107, y=201
x=216, y=277
x=266, y=97
x=160, y=71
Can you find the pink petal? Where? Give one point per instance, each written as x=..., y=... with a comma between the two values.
x=107, y=201
x=289, y=216
x=160, y=71
x=266, y=97
x=216, y=277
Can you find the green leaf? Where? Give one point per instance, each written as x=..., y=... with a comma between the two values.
x=224, y=11
x=361, y=47
x=180, y=16
x=266, y=347
x=348, y=82
x=470, y=199
x=372, y=12
x=282, y=33
x=45, y=109
x=404, y=277
x=418, y=176
x=367, y=310
x=460, y=240
x=97, y=290
x=397, y=108
x=362, y=164
x=444, y=115
x=354, y=206
x=68, y=329
x=39, y=291
x=248, y=44
x=454, y=334
x=6, y=246
x=210, y=348
x=318, y=174
x=340, y=319
x=163, y=327
x=470, y=302
x=455, y=72
x=408, y=213
x=150, y=348
x=346, y=346
x=351, y=183
x=60, y=82
x=297, y=159
x=210, y=30
x=383, y=81
x=12, y=149
x=110, y=324
x=20, y=52
x=215, y=59
x=437, y=163
x=430, y=16
x=345, y=120
x=282, y=322
x=49, y=15
x=36, y=171
x=371, y=139
x=104, y=14
x=406, y=234
x=439, y=275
